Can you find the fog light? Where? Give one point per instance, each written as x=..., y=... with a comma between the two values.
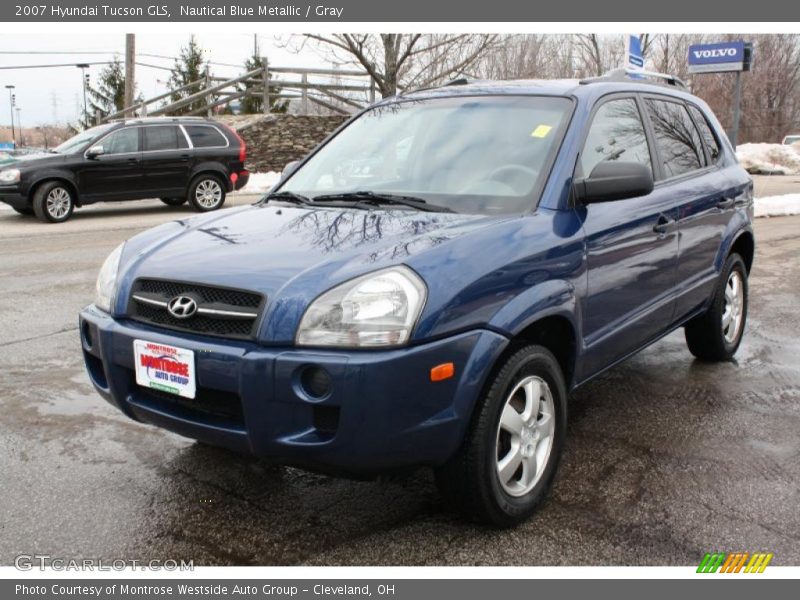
x=316, y=382
x=86, y=331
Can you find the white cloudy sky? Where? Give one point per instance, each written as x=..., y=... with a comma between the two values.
x=36, y=88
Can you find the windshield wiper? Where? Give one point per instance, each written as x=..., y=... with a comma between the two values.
x=378, y=198
x=287, y=197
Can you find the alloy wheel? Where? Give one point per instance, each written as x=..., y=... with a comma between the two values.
x=525, y=436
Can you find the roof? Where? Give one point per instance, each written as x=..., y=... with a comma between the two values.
x=618, y=80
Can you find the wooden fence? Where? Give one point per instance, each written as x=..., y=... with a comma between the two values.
x=309, y=86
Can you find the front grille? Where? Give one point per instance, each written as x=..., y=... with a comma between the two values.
x=210, y=406
x=230, y=313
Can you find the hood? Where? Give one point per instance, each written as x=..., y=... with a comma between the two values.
x=272, y=249
x=25, y=161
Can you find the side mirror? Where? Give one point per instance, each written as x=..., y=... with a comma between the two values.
x=611, y=180
x=95, y=151
x=289, y=168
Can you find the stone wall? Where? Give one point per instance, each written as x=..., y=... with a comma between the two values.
x=276, y=140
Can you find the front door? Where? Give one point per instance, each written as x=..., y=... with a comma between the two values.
x=631, y=245
x=116, y=174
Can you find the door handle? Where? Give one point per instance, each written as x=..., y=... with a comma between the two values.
x=185, y=157
x=726, y=203
x=133, y=160
x=663, y=224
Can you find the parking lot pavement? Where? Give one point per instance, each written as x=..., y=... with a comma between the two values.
x=667, y=458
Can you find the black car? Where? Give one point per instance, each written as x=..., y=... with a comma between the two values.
x=175, y=159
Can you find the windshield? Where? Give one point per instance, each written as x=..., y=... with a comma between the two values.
x=77, y=142
x=486, y=154
x=791, y=139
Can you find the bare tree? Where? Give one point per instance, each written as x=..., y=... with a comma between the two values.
x=398, y=60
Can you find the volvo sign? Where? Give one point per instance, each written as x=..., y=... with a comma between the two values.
x=720, y=57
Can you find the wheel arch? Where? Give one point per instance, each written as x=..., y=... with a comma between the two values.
x=211, y=169
x=73, y=188
x=745, y=246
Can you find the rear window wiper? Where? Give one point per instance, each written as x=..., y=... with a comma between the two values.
x=378, y=198
x=287, y=197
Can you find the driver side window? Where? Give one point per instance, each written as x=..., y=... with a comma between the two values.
x=616, y=133
x=122, y=142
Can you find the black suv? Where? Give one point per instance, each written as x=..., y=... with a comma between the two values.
x=175, y=159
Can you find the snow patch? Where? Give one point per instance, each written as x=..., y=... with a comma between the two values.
x=778, y=206
x=261, y=183
x=770, y=159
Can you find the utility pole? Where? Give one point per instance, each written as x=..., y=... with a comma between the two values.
x=10, y=89
x=83, y=68
x=19, y=126
x=130, y=73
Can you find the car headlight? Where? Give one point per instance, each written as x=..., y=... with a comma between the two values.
x=107, y=280
x=9, y=176
x=377, y=309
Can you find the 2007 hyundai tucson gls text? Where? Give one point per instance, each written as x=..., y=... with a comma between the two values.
x=175, y=159
x=428, y=285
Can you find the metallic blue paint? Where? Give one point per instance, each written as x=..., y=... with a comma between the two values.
x=602, y=267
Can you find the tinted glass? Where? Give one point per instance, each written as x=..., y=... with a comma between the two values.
x=485, y=154
x=163, y=137
x=81, y=140
x=677, y=138
x=205, y=137
x=122, y=141
x=705, y=130
x=616, y=133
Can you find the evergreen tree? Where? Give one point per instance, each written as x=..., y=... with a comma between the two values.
x=254, y=104
x=108, y=95
x=189, y=66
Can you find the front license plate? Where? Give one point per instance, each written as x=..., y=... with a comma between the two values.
x=165, y=368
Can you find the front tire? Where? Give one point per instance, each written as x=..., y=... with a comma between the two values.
x=53, y=202
x=716, y=334
x=173, y=201
x=207, y=193
x=510, y=455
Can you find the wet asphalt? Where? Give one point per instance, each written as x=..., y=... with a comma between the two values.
x=667, y=458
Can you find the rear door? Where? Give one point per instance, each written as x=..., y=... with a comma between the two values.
x=167, y=160
x=704, y=206
x=116, y=174
x=631, y=245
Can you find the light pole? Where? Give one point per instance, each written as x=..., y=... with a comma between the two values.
x=19, y=126
x=83, y=68
x=10, y=89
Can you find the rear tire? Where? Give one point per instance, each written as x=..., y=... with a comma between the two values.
x=716, y=334
x=207, y=193
x=173, y=201
x=510, y=454
x=26, y=211
x=53, y=202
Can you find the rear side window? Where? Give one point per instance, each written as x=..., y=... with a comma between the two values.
x=616, y=133
x=122, y=141
x=163, y=137
x=705, y=130
x=677, y=139
x=203, y=136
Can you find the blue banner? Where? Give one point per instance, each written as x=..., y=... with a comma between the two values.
x=711, y=58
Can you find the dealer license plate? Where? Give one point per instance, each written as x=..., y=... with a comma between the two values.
x=165, y=368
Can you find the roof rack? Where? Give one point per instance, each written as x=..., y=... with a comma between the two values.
x=628, y=74
x=164, y=118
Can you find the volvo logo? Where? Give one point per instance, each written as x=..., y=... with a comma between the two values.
x=182, y=307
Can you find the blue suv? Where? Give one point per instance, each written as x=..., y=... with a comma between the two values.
x=428, y=285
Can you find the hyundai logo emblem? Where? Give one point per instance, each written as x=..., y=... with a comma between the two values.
x=182, y=307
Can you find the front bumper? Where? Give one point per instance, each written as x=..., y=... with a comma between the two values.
x=382, y=412
x=13, y=197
